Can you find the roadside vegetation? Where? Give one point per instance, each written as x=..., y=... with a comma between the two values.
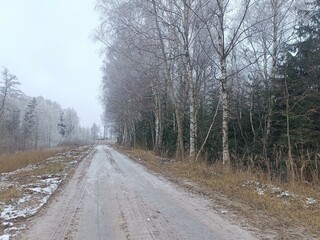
x=28, y=179
x=273, y=206
x=229, y=89
x=26, y=167
x=230, y=82
x=13, y=161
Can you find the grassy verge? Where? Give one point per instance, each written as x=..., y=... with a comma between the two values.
x=7, y=195
x=14, y=161
x=267, y=205
x=50, y=162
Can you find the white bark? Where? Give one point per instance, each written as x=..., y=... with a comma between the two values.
x=188, y=65
x=223, y=83
x=180, y=149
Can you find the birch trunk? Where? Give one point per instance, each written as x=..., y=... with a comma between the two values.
x=192, y=97
x=180, y=149
x=275, y=30
x=158, y=126
x=223, y=84
x=193, y=120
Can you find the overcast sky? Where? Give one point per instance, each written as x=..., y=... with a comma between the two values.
x=47, y=45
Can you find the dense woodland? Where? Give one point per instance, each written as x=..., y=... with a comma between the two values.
x=235, y=82
x=31, y=123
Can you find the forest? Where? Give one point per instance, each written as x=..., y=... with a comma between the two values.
x=28, y=123
x=235, y=82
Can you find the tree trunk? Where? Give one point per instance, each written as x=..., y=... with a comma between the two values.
x=180, y=149
x=290, y=163
x=193, y=123
x=188, y=65
x=158, y=126
x=223, y=85
x=225, y=127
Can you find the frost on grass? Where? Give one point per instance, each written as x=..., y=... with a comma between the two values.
x=311, y=201
x=258, y=187
x=27, y=205
x=36, y=194
x=30, y=203
x=287, y=195
x=272, y=190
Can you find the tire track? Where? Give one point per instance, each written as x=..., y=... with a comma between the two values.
x=153, y=208
x=69, y=213
x=140, y=216
x=55, y=220
x=112, y=198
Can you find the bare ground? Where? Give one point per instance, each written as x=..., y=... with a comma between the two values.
x=109, y=196
x=112, y=197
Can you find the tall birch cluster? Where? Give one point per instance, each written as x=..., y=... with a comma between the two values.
x=209, y=79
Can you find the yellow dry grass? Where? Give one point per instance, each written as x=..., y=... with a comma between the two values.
x=14, y=161
x=7, y=195
x=49, y=168
x=213, y=179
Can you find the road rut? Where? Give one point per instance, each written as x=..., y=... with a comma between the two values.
x=112, y=197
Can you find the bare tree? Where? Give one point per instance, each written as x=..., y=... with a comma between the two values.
x=226, y=42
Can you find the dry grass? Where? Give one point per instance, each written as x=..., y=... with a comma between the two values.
x=7, y=195
x=11, y=162
x=213, y=179
x=49, y=168
x=41, y=163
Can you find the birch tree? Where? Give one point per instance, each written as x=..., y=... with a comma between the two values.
x=226, y=42
x=169, y=76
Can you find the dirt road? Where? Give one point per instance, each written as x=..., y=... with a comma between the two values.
x=112, y=197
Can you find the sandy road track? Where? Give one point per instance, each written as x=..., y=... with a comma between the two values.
x=112, y=197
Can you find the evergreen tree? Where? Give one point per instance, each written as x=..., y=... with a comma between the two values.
x=297, y=110
x=31, y=123
x=61, y=125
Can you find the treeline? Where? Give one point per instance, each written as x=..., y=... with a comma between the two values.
x=32, y=123
x=231, y=81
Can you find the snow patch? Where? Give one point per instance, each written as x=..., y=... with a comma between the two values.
x=286, y=195
x=7, y=224
x=36, y=194
x=259, y=188
x=5, y=237
x=11, y=212
x=29, y=204
x=260, y=191
x=13, y=231
x=311, y=201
